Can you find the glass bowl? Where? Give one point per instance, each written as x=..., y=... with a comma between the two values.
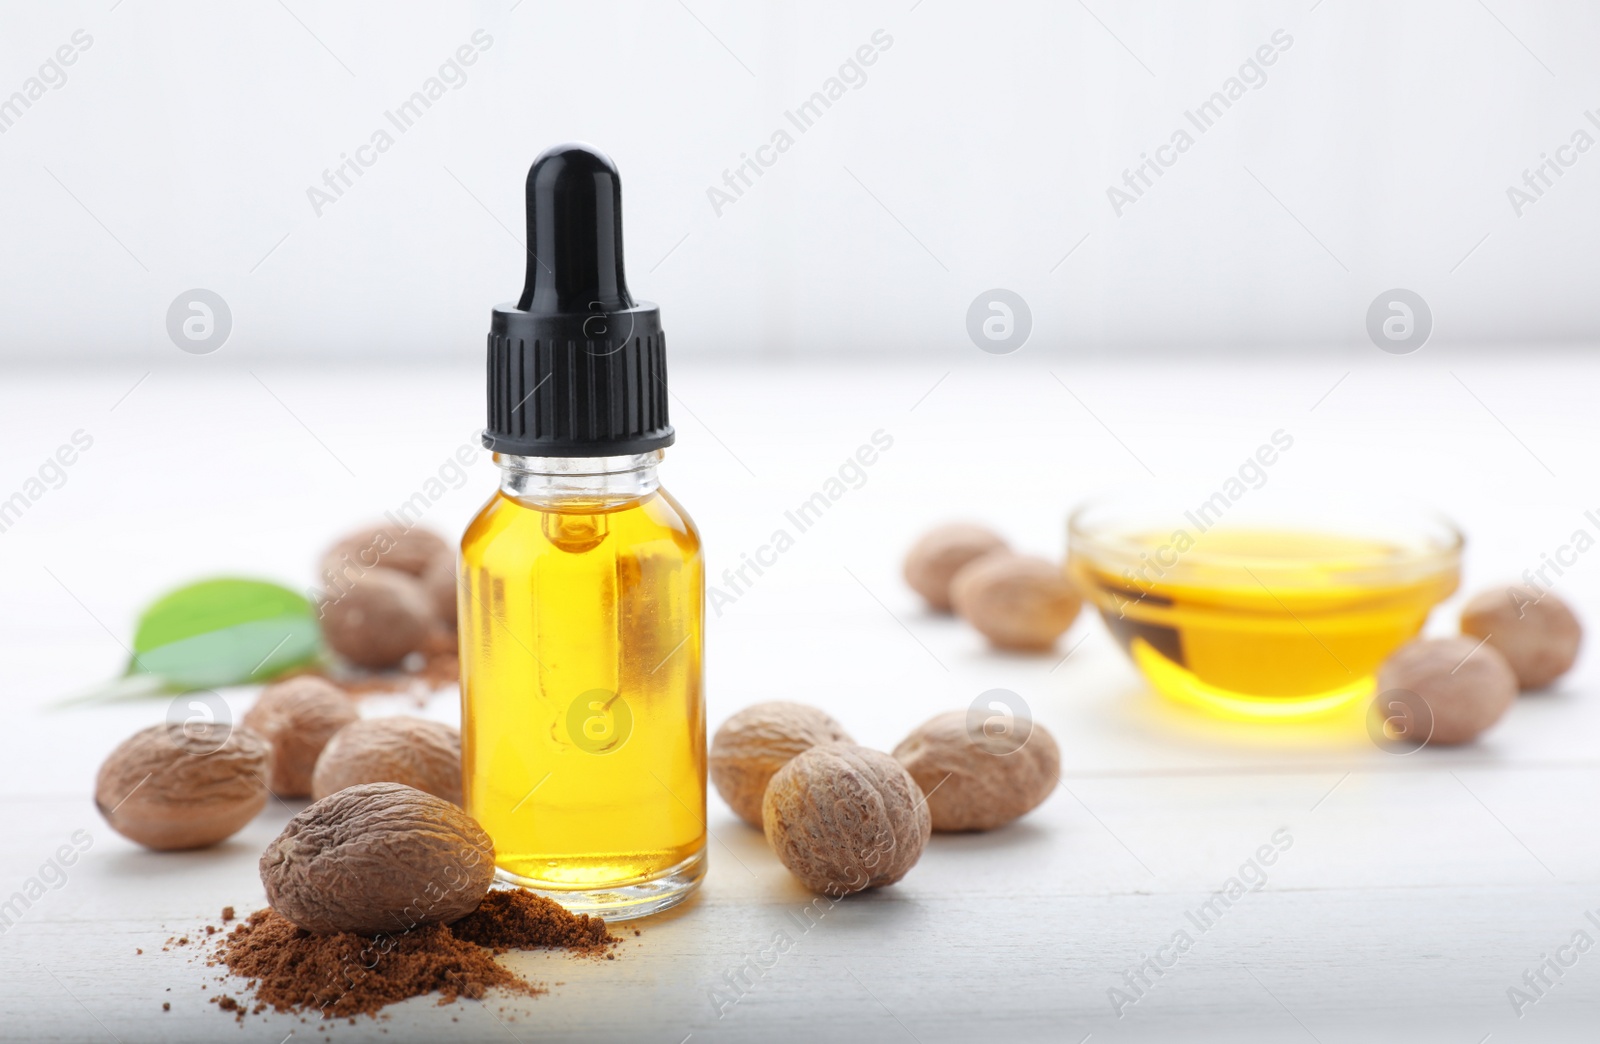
x=1261, y=607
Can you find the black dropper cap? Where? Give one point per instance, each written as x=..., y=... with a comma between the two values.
x=576, y=367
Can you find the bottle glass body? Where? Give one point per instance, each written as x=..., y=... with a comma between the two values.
x=583, y=718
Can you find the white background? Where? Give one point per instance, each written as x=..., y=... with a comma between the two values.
x=976, y=155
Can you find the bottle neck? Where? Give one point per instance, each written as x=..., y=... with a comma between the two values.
x=579, y=479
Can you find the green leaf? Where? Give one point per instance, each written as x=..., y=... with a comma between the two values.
x=225, y=631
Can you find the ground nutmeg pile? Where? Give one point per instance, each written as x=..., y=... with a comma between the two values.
x=514, y=919
x=343, y=974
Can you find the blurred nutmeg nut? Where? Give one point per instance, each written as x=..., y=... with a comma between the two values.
x=380, y=857
x=439, y=580
x=934, y=560
x=755, y=743
x=1461, y=687
x=1535, y=631
x=183, y=785
x=298, y=716
x=414, y=751
x=1015, y=601
x=843, y=818
x=378, y=620
x=383, y=546
x=977, y=781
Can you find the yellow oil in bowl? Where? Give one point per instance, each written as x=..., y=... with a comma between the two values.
x=1261, y=620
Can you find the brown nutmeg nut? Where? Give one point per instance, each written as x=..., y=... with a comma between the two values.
x=298, y=716
x=939, y=555
x=413, y=751
x=379, y=857
x=183, y=785
x=379, y=620
x=1535, y=631
x=439, y=580
x=382, y=546
x=977, y=781
x=755, y=743
x=1461, y=687
x=843, y=818
x=1015, y=601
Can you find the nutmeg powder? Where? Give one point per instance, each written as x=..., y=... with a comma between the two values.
x=343, y=974
x=514, y=919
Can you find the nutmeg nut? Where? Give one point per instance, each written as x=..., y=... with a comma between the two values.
x=380, y=620
x=1015, y=601
x=975, y=781
x=1535, y=631
x=1464, y=687
x=934, y=560
x=413, y=751
x=439, y=580
x=379, y=857
x=183, y=785
x=298, y=716
x=382, y=546
x=843, y=818
x=755, y=743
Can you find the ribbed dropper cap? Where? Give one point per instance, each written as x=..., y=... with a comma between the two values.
x=576, y=367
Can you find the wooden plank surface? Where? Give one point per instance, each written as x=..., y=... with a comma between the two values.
x=1415, y=890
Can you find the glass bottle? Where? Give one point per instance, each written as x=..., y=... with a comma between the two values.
x=582, y=582
x=583, y=722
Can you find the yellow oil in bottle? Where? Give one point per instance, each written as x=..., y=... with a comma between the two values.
x=1264, y=623
x=583, y=723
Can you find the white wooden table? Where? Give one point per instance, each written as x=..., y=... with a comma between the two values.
x=1416, y=891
